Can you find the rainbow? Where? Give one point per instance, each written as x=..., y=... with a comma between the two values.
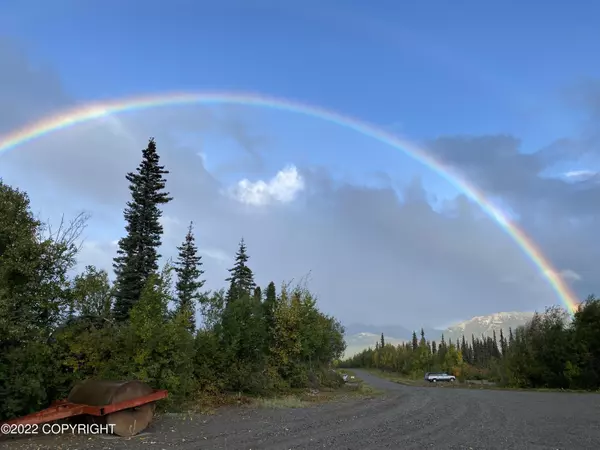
x=97, y=110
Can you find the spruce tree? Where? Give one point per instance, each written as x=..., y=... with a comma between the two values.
x=465, y=349
x=495, y=350
x=382, y=341
x=188, y=269
x=415, y=342
x=241, y=279
x=269, y=307
x=503, y=345
x=258, y=294
x=271, y=296
x=422, y=341
x=137, y=256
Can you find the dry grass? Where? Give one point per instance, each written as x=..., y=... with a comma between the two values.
x=354, y=388
x=287, y=401
x=207, y=402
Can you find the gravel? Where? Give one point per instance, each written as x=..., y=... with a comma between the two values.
x=404, y=417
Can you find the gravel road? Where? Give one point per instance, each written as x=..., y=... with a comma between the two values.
x=402, y=418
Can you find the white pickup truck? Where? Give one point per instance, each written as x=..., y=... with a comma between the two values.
x=435, y=377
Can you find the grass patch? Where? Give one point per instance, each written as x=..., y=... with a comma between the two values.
x=209, y=401
x=287, y=401
x=399, y=378
x=354, y=388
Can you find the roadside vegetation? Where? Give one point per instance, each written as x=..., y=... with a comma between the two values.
x=57, y=328
x=552, y=351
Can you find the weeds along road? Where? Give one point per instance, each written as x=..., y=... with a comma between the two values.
x=403, y=417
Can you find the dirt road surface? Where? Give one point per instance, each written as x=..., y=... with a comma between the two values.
x=403, y=418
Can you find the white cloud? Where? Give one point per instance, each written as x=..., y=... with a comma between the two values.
x=580, y=174
x=282, y=188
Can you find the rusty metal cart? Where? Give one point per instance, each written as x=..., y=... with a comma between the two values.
x=127, y=405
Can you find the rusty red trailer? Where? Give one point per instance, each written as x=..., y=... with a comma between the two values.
x=137, y=410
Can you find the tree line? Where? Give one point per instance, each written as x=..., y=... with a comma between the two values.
x=553, y=350
x=56, y=328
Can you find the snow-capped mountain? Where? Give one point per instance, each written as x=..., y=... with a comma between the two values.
x=486, y=325
x=360, y=337
x=358, y=342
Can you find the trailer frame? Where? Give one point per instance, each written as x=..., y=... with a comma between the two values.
x=63, y=409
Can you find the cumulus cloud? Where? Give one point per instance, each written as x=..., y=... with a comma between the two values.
x=375, y=254
x=283, y=188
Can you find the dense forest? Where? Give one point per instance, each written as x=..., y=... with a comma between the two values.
x=57, y=328
x=553, y=350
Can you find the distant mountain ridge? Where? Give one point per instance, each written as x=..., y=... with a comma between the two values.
x=360, y=336
x=397, y=331
x=358, y=342
x=487, y=325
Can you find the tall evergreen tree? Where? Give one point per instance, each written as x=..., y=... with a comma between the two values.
x=382, y=341
x=258, y=294
x=241, y=279
x=503, y=344
x=188, y=269
x=269, y=307
x=495, y=350
x=137, y=256
x=464, y=349
x=415, y=342
x=422, y=341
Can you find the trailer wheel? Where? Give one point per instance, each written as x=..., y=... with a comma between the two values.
x=127, y=422
x=130, y=422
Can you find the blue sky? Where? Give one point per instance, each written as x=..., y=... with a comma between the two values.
x=428, y=70
x=473, y=68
